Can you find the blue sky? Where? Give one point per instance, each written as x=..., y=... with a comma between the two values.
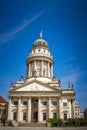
x=64, y=25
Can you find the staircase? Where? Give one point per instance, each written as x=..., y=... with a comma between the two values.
x=32, y=124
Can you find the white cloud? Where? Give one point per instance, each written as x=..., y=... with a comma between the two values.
x=72, y=58
x=6, y=37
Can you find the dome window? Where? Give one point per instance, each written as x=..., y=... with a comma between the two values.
x=44, y=43
x=44, y=51
x=44, y=72
x=34, y=51
x=39, y=43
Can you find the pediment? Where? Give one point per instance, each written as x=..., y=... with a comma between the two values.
x=35, y=86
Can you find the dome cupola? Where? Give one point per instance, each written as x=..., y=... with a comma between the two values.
x=40, y=42
x=40, y=62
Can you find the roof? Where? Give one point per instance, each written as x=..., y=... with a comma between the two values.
x=2, y=100
x=40, y=42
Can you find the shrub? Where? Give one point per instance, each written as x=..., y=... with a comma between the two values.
x=83, y=122
x=55, y=122
x=9, y=123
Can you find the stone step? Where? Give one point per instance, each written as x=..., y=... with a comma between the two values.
x=32, y=124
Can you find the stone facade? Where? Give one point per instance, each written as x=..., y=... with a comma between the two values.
x=40, y=96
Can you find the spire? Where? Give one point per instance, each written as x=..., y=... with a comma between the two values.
x=72, y=86
x=41, y=34
x=68, y=85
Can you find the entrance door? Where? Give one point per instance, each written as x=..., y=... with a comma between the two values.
x=35, y=117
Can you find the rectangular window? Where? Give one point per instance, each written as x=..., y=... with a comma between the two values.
x=24, y=102
x=65, y=116
x=44, y=102
x=54, y=102
x=36, y=103
x=0, y=111
x=33, y=73
x=54, y=115
x=64, y=104
x=15, y=116
x=44, y=116
x=24, y=116
x=15, y=102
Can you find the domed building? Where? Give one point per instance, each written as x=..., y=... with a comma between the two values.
x=40, y=96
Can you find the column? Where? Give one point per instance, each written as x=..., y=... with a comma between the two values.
x=60, y=108
x=42, y=68
x=39, y=110
x=51, y=70
x=19, y=110
x=47, y=69
x=35, y=64
x=9, y=109
x=29, y=110
x=49, y=108
x=29, y=71
x=70, y=109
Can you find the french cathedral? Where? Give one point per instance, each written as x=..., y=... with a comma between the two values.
x=40, y=96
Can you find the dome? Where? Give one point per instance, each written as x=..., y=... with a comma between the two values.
x=40, y=42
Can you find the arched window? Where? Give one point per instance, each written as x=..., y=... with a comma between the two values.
x=65, y=116
x=44, y=72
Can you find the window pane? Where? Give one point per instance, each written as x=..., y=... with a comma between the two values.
x=44, y=116
x=65, y=116
x=54, y=102
x=15, y=116
x=44, y=102
x=24, y=102
x=24, y=116
x=65, y=104
x=15, y=102
x=36, y=103
x=54, y=115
